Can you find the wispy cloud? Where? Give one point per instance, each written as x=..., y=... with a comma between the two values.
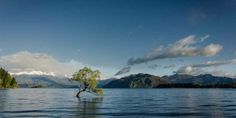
x=182, y=48
x=186, y=47
x=211, y=64
x=169, y=66
x=204, y=38
x=154, y=66
x=196, y=16
x=234, y=53
x=123, y=71
x=222, y=73
x=197, y=69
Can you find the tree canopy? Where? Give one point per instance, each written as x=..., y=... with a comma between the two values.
x=87, y=79
x=6, y=80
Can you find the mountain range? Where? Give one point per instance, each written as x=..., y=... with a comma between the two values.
x=136, y=81
x=140, y=80
x=205, y=79
x=177, y=80
x=44, y=81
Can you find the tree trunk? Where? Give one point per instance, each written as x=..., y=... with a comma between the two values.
x=83, y=90
x=77, y=95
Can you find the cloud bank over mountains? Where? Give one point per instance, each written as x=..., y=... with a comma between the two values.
x=186, y=47
x=25, y=62
x=197, y=69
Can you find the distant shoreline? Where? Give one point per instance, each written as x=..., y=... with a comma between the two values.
x=188, y=86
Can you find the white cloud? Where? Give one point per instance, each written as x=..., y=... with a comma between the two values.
x=189, y=70
x=183, y=48
x=186, y=47
x=34, y=73
x=197, y=69
x=25, y=62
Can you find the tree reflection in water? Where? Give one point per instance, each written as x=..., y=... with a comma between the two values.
x=89, y=107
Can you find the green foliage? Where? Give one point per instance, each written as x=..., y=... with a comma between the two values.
x=0, y=83
x=6, y=80
x=87, y=79
x=13, y=83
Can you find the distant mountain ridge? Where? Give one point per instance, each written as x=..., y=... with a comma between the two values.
x=140, y=80
x=102, y=83
x=205, y=79
x=136, y=81
x=47, y=81
x=150, y=81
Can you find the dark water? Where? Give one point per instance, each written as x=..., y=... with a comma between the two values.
x=62, y=103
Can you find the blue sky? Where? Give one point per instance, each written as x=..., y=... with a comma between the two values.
x=107, y=33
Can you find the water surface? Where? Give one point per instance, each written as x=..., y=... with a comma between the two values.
x=62, y=103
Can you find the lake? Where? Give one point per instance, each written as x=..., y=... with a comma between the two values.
x=62, y=103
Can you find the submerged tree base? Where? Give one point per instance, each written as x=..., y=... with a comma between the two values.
x=97, y=91
x=77, y=95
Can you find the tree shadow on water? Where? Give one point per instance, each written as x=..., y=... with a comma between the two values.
x=89, y=107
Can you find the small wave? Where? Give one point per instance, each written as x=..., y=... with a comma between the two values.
x=208, y=105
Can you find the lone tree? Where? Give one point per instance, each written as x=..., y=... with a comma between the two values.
x=87, y=79
x=6, y=80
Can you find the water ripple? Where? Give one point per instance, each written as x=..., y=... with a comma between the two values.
x=57, y=103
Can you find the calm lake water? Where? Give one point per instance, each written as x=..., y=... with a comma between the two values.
x=62, y=103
